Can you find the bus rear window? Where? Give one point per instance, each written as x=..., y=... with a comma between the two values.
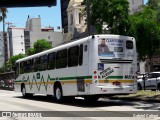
x=129, y=44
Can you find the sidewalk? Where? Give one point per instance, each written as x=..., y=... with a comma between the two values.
x=148, y=96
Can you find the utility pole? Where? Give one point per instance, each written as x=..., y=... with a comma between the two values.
x=8, y=23
x=4, y=41
x=8, y=46
x=88, y=16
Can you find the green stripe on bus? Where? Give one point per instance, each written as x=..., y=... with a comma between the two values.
x=115, y=77
x=73, y=78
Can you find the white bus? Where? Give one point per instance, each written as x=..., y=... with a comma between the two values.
x=90, y=67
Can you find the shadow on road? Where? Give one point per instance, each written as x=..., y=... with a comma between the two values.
x=102, y=102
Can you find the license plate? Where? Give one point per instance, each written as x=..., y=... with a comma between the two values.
x=118, y=88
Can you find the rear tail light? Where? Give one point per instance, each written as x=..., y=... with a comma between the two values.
x=95, y=76
x=95, y=72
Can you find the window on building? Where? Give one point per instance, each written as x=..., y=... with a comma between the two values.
x=80, y=18
x=71, y=19
x=49, y=37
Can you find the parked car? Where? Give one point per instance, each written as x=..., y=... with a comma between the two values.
x=151, y=81
x=7, y=80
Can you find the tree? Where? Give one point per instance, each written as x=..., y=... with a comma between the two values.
x=3, y=11
x=154, y=4
x=114, y=13
x=145, y=28
x=13, y=59
x=30, y=51
x=41, y=45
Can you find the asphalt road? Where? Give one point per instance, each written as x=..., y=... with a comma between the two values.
x=45, y=108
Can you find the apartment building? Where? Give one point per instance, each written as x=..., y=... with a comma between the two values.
x=16, y=41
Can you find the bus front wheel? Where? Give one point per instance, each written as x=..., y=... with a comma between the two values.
x=24, y=91
x=24, y=94
x=58, y=93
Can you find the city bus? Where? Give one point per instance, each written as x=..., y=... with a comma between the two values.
x=90, y=67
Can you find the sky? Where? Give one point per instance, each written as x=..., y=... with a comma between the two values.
x=50, y=16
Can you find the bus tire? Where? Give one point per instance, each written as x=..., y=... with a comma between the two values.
x=58, y=94
x=91, y=99
x=23, y=91
x=24, y=94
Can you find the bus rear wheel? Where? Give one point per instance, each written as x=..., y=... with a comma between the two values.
x=58, y=95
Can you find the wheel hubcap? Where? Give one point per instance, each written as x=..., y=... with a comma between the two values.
x=58, y=93
x=23, y=91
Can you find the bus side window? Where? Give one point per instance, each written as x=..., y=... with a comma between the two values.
x=16, y=70
x=45, y=61
x=61, y=59
x=81, y=55
x=51, y=61
x=85, y=48
x=41, y=63
x=73, y=53
x=34, y=65
x=27, y=66
x=21, y=67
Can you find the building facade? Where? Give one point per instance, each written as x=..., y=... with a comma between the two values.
x=1, y=50
x=34, y=32
x=135, y=5
x=16, y=41
x=4, y=54
x=20, y=39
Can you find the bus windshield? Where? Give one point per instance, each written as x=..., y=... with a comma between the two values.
x=115, y=48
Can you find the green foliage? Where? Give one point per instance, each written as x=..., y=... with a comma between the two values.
x=146, y=29
x=154, y=4
x=3, y=11
x=13, y=59
x=114, y=13
x=41, y=45
x=30, y=51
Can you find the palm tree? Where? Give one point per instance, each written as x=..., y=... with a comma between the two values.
x=3, y=11
x=4, y=15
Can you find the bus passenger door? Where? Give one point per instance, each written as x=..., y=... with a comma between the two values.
x=82, y=72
